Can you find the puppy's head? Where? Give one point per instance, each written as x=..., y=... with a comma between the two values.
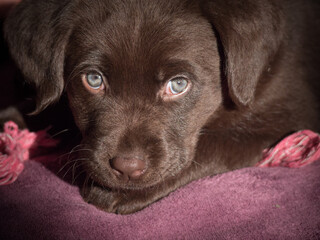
x=141, y=82
x=142, y=78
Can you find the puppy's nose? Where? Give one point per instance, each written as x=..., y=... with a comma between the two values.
x=128, y=168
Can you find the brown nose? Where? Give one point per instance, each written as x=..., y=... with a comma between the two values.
x=128, y=168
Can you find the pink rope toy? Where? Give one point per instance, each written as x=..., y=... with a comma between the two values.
x=294, y=151
x=16, y=147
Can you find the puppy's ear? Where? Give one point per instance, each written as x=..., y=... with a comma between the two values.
x=249, y=33
x=37, y=33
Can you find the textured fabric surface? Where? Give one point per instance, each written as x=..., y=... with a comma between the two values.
x=251, y=203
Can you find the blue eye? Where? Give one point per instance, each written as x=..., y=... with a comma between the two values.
x=178, y=85
x=94, y=80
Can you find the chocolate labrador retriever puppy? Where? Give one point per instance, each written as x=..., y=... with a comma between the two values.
x=166, y=92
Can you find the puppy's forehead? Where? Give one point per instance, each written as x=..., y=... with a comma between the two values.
x=137, y=39
x=135, y=25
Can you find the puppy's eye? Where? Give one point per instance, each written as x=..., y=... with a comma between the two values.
x=93, y=82
x=176, y=87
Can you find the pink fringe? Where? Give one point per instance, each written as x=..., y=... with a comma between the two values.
x=16, y=147
x=294, y=151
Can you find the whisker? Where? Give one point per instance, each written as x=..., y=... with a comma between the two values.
x=197, y=163
x=58, y=133
x=68, y=153
x=79, y=174
x=92, y=181
x=72, y=161
x=73, y=166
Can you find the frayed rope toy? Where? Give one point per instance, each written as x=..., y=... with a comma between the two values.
x=296, y=150
x=18, y=146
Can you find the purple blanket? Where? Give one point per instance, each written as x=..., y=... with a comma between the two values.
x=251, y=203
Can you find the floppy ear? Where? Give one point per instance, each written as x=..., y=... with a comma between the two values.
x=37, y=33
x=249, y=32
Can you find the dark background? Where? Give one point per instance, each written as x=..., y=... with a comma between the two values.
x=15, y=92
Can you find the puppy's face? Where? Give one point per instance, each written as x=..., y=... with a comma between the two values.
x=141, y=82
x=144, y=77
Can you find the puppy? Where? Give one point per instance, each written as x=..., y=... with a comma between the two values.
x=167, y=92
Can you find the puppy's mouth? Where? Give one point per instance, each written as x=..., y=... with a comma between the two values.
x=132, y=174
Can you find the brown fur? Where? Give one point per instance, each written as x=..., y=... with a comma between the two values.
x=252, y=65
